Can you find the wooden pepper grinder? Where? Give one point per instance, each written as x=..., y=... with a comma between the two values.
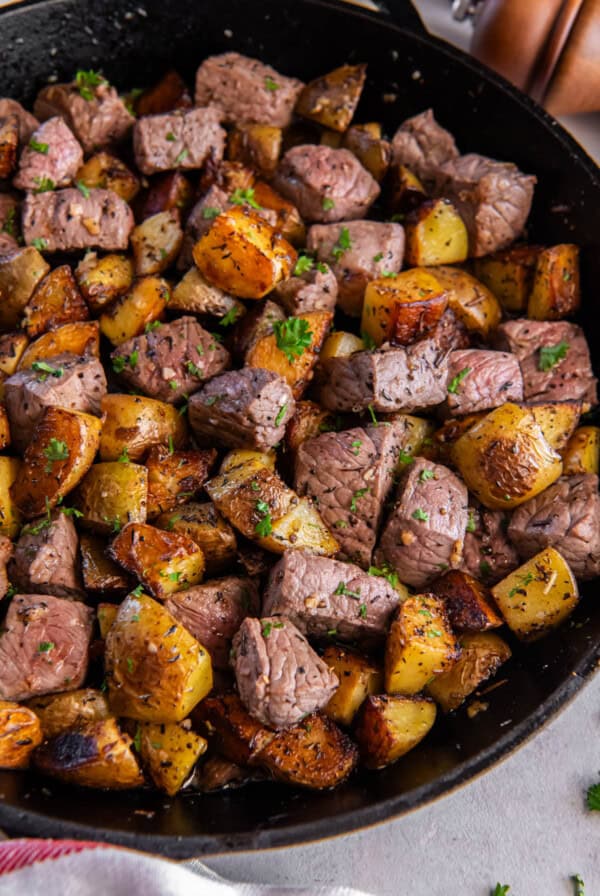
x=548, y=48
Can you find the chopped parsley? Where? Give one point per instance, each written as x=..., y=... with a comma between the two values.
x=39, y=243
x=129, y=663
x=385, y=572
x=421, y=515
x=194, y=370
x=244, y=197
x=359, y=493
x=46, y=646
x=255, y=486
x=293, y=336
x=341, y=589
x=36, y=146
x=45, y=370
x=328, y=204
x=341, y=524
x=43, y=184
x=322, y=267
x=388, y=273
x=434, y=633
x=593, y=798
x=378, y=257
x=484, y=568
x=579, y=885
x=264, y=527
x=425, y=475
x=524, y=582
x=267, y=628
x=471, y=524
x=230, y=318
x=457, y=380
x=343, y=244
x=181, y=156
x=281, y=414
x=9, y=222
x=405, y=457
x=56, y=450
x=210, y=212
x=150, y=327
x=86, y=80
x=303, y=265
x=368, y=340
x=44, y=523
x=137, y=738
x=174, y=385
x=550, y=355
x=501, y=890
x=123, y=457
x=372, y=414
x=362, y=611
x=356, y=446
x=119, y=362
x=171, y=576
x=172, y=520
x=332, y=632
x=137, y=591
x=83, y=189
x=170, y=136
x=270, y=84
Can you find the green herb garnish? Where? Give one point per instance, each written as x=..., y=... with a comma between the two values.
x=56, y=450
x=421, y=515
x=343, y=244
x=281, y=414
x=293, y=336
x=45, y=370
x=244, y=197
x=303, y=265
x=43, y=184
x=550, y=355
x=457, y=380
x=86, y=80
x=270, y=84
x=83, y=189
x=36, y=146
x=359, y=493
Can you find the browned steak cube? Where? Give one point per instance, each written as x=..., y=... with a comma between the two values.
x=422, y=145
x=279, y=676
x=488, y=554
x=325, y=184
x=44, y=646
x=326, y=598
x=214, y=611
x=27, y=122
x=9, y=144
x=246, y=408
x=246, y=90
x=66, y=220
x=171, y=361
x=98, y=119
x=51, y=159
x=183, y=139
x=450, y=334
x=348, y=475
x=565, y=516
x=312, y=290
x=479, y=380
x=425, y=532
x=46, y=558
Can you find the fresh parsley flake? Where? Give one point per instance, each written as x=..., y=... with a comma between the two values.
x=43, y=184
x=46, y=646
x=9, y=226
x=39, y=243
x=378, y=257
x=372, y=414
x=359, y=493
x=230, y=318
x=579, y=885
x=36, y=146
x=343, y=244
x=264, y=527
x=501, y=890
x=270, y=84
x=86, y=80
x=293, y=336
x=170, y=136
x=457, y=380
x=174, y=385
x=137, y=591
x=244, y=197
x=524, y=582
x=550, y=355
x=83, y=189
x=385, y=572
x=368, y=340
x=362, y=611
x=181, y=156
x=303, y=265
x=137, y=737
x=421, y=515
x=328, y=204
x=210, y=212
x=45, y=370
x=484, y=568
x=342, y=589
x=425, y=475
x=281, y=414
x=129, y=663
x=471, y=524
x=356, y=446
x=56, y=450
x=123, y=457
x=152, y=326
x=194, y=370
x=593, y=798
x=341, y=524
x=322, y=267
x=405, y=458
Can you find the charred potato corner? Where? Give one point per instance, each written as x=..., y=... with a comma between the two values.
x=293, y=433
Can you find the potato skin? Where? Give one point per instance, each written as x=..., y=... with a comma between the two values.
x=435, y=234
x=80, y=338
x=101, y=575
x=156, y=242
x=372, y=152
x=20, y=734
x=109, y=173
x=165, y=562
x=384, y=294
x=556, y=289
x=9, y=145
x=331, y=99
x=231, y=729
x=309, y=420
x=12, y=349
x=10, y=515
x=129, y=315
x=103, y=280
x=169, y=751
x=135, y=424
x=175, y=476
x=482, y=654
x=508, y=274
x=467, y=601
x=387, y=727
x=256, y=145
x=112, y=494
x=59, y=712
x=56, y=300
x=20, y=273
x=474, y=304
x=204, y=525
x=358, y=678
x=582, y=452
x=557, y=421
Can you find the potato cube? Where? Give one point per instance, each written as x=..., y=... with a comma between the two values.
x=256, y=145
x=164, y=562
x=473, y=303
x=557, y=421
x=12, y=350
x=20, y=734
x=204, y=525
x=9, y=145
x=331, y=99
x=194, y=294
x=340, y=345
x=556, y=290
x=56, y=300
x=133, y=424
x=482, y=654
x=106, y=615
x=582, y=452
x=372, y=152
x=358, y=678
x=81, y=338
x=20, y=273
x=509, y=275
x=101, y=575
x=108, y=172
x=175, y=476
x=169, y=751
x=388, y=727
x=10, y=516
x=384, y=294
x=132, y=312
x=156, y=242
x=436, y=234
x=59, y=712
x=467, y=602
x=103, y=280
x=111, y=495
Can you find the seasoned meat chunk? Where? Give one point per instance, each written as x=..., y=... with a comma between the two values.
x=6, y=552
x=325, y=184
x=51, y=159
x=279, y=676
x=389, y=379
x=246, y=90
x=426, y=529
x=554, y=357
x=27, y=122
x=493, y=198
x=66, y=220
x=171, y=361
x=480, y=380
x=313, y=290
x=358, y=251
x=246, y=408
x=183, y=139
x=348, y=475
x=44, y=646
x=76, y=383
x=488, y=554
x=449, y=334
x=98, y=119
x=9, y=144
x=46, y=558
x=321, y=595
x=565, y=516
x=423, y=145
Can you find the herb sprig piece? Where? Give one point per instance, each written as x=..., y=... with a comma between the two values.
x=550, y=355
x=86, y=81
x=293, y=336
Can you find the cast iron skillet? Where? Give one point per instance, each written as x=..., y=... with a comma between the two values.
x=134, y=42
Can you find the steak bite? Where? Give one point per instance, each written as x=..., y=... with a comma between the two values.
x=321, y=595
x=171, y=361
x=96, y=114
x=488, y=554
x=246, y=408
x=73, y=382
x=422, y=145
x=6, y=552
x=214, y=611
x=44, y=646
x=450, y=334
x=66, y=220
x=312, y=290
x=388, y=379
x=51, y=159
x=565, y=516
x=246, y=90
x=348, y=475
x=554, y=358
x=480, y=380
x=493, y=199
x=183, y=139
x=426, y=529
x=325, y=184
x=358, y=251
x=28, y=123
x=46, y=558
x=279, y=676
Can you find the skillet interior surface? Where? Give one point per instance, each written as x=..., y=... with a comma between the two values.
x=134, y=43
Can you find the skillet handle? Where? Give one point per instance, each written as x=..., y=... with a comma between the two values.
x=403, y=13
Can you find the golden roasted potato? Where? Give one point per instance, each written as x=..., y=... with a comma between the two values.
x=331, y=100
x=95, y=754
x=383, y=294
x=130, y=314
x=194, y=294
x=420, y=644
x=556, y=290
x=242, y=254
x=256, y=459
x=256, y=145
x=111, y=495
x=4, y=428
x=472, y=303
x=358, y=678
x=538, y=596
x=12, y=349
x=557, y=421
x=341, y=344
x=248, y=330
x=20, y=732
x=103, y=280
x=231, y=729
x=443, y=439
x=417, y=319
x=171, y=190
x=289, y=223
x=169, y=751
x=481, y=655
x=581, y=454
x=133, y=424
x=208, y=530
x=309, y=420
x=156, y=670
x=416, y=437
x=81, y=338
x=59, y=712
x=508, y=274
x=55, y=301
x=9, y=145
x=164, y=562
x=406, y=192
x=372, y=152
x=169, y=93
x=10, y=516
x=388, y=727
x=175, y=476
x=435, y=234
x=109, y=173
x=101, y=575
x=467, y=602
x=505, y=459
x=156, y=242
x=106, y=614
x=20, y=273
x=61, y=451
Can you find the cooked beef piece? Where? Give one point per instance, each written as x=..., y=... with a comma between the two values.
x=479, y=380
x=171, y=361
x=182, y=139
x=314, y=290
x=373, y=248
x=488, y=555
x=6, y=552
x=217, y=773
x=256, y=561
x=279, y=676
x=565, y=516
x=97, y=122
x=51, y=159
x=423, y=145
x=321, y=595
x=493, y=198
x=8, y=213
x=246, y=90
x=214, y=611
x=27, y=122
x=44, y=646
x=246, y=408
x=77, y=383
x=255, y=324
x=449, y=333
x=389, y=379
x=426, y=529
x=66, y=220
x=325, y=184
x=560, y=375
x=9, y=144
x=8, y=244
x=348, y=475
x=46, y=558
